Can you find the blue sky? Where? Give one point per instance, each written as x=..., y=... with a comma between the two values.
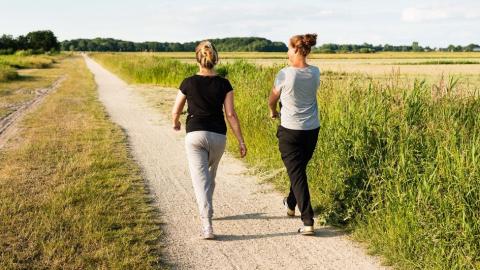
x=433, y=23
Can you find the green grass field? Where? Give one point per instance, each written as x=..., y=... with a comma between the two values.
x=397, y=157
x=71, y=197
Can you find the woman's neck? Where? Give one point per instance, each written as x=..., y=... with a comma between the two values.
x=206, y=72
x=299, y=62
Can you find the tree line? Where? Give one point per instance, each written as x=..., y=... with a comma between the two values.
x=34, y=42
x=238, y=44
x=369, y=48
x=46, y=41
x=245, y=44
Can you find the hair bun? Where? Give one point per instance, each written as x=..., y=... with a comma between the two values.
x=206, y=54
x=310, y=39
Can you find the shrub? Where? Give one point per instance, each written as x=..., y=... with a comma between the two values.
x=7, y=73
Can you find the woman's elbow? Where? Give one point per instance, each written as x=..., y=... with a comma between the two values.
x=231, y=116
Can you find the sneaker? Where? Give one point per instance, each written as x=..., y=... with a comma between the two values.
x=207, y=229
x=306, y=230
x=207, y=233
x=290, y=212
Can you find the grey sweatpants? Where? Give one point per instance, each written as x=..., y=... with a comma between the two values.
x=204, y=151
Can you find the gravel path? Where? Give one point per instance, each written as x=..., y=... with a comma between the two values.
x=249, y=220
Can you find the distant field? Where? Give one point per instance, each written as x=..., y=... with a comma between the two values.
x=377, y=64
x=282, y=55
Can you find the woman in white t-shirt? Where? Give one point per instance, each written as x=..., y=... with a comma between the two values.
x=296, y=88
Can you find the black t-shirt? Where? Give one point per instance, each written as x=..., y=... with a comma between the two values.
x=205, y=97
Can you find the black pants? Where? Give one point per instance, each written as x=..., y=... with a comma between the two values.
x=296, y=148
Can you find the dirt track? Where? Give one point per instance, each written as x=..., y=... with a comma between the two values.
x=8, y=124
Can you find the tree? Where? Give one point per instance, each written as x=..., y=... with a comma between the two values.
x=416, y=47
x=7, y=42
x=42, y=40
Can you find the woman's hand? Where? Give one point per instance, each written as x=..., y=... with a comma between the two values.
x=177, y=125
x=272, y=103
x=232, y=119
x=273, y=114
x=243, y=149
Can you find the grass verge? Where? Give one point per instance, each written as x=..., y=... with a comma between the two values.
x=70, y=195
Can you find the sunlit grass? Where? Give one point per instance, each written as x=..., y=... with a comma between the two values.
x=22, y=87
x=71, y=197
x=7, y=73
x=32, y=61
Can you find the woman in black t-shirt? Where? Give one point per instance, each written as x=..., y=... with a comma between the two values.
x=206, y=94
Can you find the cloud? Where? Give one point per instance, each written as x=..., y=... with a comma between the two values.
x=246, y=18
x=250, y=12
x=439, y=13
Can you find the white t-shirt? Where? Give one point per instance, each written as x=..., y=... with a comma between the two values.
x=298, y=95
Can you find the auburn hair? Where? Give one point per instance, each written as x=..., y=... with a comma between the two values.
x=206, y=54
x=303, y=43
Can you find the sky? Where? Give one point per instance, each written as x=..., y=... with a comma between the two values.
x=430, y=22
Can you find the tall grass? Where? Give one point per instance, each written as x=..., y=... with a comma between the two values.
x=10, y=63
x=398, y=164
x=29, y=61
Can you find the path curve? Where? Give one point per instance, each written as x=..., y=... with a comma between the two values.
x=249, y=220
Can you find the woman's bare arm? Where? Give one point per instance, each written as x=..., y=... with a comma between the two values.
x=177, y=109
x=272, y=102
x=234, y=122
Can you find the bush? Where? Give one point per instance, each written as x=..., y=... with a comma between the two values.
x=7, y=73
x=6, y=51
x=24, y=53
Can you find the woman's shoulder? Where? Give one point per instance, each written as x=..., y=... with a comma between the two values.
x=188, y=79
x=225, y=82
x=222, y=79
x=188, y=83
x=313, y=67
x=314, y=70
x=303, y=69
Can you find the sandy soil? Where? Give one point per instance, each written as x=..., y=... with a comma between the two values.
x=252, y=229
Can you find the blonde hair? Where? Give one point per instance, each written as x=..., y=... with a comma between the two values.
x=303, y=43
x=206, y=54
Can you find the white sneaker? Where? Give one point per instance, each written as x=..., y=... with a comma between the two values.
x=290, y=212
x=207, y=229
x=207, y=233
x=306, y=230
